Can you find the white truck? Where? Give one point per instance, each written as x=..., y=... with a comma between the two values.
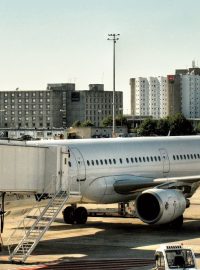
x=174, y=256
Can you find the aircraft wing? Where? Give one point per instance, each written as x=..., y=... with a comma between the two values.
x=130, y=184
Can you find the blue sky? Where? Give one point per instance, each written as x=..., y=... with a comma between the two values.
x=51, y=41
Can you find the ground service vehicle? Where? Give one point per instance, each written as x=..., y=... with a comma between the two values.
x=173, y=256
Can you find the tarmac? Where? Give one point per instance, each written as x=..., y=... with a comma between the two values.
x=102, y=240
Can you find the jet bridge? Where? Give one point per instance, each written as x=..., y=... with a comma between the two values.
x=42, y=171
x=31, y=169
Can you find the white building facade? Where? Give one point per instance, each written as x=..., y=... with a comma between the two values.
x=151, y=98
x=190, y=95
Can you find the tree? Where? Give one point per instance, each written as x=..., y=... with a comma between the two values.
x=174, y=125
x=107, y=121
x=121, y=120
x=163, y=127
x=179, y=125
x=87, y=123
x=147, y=127
x=76, y=124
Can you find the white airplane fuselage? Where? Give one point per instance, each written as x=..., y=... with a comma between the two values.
x=98, y=164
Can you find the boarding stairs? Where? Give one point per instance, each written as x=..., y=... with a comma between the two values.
x=31, y=234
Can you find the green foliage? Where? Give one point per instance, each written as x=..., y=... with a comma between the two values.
x=197, y=129
x=147, y=127
x=107, y=121
x=179, y=125
x=174, y=125
x=121, y=120
x=87, y=123
x=76, y=124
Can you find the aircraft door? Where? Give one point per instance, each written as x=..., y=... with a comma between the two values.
x=81, y=173
x=165, y=160
x=64, y=170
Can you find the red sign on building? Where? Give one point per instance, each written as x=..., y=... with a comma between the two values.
x=171, y=78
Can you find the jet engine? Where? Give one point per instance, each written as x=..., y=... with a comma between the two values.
x=160, y=206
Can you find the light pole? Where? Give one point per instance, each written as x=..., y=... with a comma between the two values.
x=114, y=38
x=1, y=112
x=121, y=114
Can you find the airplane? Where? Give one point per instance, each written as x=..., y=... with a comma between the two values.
x=159, y=173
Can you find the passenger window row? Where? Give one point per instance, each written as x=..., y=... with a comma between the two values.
x=127, y=160
x=186, y=156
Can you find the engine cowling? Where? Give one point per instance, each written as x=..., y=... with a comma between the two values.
x=160, y=206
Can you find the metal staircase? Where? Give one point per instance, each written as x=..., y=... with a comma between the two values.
x=32, y=230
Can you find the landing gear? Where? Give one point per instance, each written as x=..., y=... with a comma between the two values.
x=73, y=215
x=81, y=215
x=68, y=215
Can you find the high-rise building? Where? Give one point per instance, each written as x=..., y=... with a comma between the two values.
x=190, y=95
x=149, y=96
x=184, y=91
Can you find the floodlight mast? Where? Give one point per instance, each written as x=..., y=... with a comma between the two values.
x=114, y=38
